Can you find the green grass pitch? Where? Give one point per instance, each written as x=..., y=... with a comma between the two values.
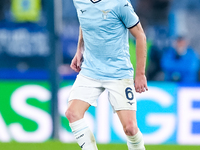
x=55, y=145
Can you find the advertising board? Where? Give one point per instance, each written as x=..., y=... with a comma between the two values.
x=168, y=113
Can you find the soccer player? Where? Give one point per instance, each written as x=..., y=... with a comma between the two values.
x=103, y=62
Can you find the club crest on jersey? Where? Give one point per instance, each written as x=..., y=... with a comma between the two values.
x=105, y=13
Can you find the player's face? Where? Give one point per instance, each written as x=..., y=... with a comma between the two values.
x=181, y=46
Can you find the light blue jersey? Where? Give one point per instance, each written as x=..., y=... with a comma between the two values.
x=105, y=24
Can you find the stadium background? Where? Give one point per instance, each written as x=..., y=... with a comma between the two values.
x=37, y=42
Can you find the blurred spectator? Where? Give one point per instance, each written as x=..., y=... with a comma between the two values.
x=180, y=63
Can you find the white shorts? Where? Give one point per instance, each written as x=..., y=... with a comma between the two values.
x=121, y=93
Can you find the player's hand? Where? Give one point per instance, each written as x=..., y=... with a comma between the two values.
x=76, y=62
x=140, y=83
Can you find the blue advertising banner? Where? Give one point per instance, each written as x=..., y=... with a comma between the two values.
x=23, y=40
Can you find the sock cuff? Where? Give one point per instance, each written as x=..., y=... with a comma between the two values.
x=137, y=137
x=78, y=125
x=135, y=142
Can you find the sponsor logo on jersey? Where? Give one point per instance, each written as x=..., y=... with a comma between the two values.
x=83, y=11
x=126, y=5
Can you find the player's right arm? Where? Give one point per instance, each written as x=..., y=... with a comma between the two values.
x=77, y=60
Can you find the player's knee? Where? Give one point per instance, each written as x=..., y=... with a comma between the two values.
x=130, y=129
x=68, y=114
x=72, y=115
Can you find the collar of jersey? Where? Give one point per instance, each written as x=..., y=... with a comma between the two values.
x=95, y=1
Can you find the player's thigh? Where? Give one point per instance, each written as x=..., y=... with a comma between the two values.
x=121, y=94
x=76, y=110
x=84, y=93
x=86, y=89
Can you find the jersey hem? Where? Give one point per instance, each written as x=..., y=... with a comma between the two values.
x=105, y=78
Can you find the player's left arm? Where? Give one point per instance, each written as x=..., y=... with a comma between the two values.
x=141, y=54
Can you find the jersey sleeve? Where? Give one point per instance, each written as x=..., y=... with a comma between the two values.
x=127, y=14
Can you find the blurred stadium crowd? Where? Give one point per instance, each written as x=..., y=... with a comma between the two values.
x=171, y=27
